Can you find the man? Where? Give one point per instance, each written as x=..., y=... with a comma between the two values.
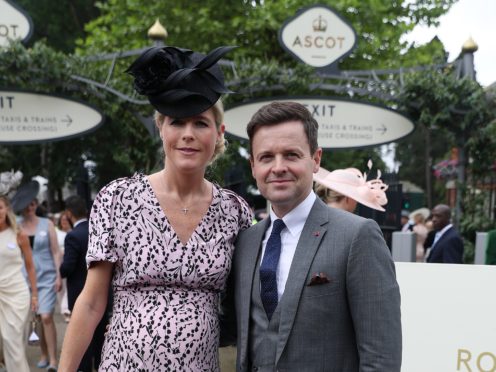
x=448, y=245
x=73, y=268
x=406, y=223
x=321, y=294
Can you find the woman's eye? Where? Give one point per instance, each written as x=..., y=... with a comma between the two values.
x=176, y=122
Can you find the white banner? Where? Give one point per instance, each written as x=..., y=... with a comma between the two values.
x=448, y=317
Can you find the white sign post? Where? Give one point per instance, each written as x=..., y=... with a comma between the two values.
x=27, y=117
x=343, y=124
x=448, y=317
x=317, y=36
x=14, y=23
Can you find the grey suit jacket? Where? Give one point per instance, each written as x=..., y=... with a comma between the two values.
x=352, y=323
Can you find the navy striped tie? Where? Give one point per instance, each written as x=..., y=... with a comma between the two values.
x=268, y=268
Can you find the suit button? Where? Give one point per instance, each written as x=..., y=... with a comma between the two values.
x=254, y=369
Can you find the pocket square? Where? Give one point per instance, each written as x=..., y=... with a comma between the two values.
x=318, y=278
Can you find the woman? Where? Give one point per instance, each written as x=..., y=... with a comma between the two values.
x=46, y=256
x=344, y=188
x=164, y=240
x=421, y=231
x=14, y=292
x=64, y=225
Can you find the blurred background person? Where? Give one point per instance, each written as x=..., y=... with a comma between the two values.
x=421, y=231
x=46, y=256
x=448, y=244
x=406, y=222
x=344, y=188
x=74, y=269
x=15, y=253
x=62, y=227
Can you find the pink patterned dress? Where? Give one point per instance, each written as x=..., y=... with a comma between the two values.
x=166, y=294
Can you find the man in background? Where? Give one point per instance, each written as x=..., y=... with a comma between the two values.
x=448, y=245
x=74, y=268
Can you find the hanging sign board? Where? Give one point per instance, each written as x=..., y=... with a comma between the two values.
x=317, y=36
x=343, y=124
x=27, y=117
x=14, y=23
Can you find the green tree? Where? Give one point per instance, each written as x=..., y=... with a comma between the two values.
x=450, y=112
x=59, y=22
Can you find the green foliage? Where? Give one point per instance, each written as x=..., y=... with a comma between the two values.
x=119, y=147
x=254, y=26
x=53, y=19
x=450, y=112
x=475, y=219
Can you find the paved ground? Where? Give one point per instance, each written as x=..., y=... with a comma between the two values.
x=227, y=355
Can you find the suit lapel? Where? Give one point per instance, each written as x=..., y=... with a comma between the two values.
x=249, y=251
x=311, y=236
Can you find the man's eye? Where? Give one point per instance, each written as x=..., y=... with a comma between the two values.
x=201, y=124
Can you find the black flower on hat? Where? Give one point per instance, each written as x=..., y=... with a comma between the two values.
x=179, y=82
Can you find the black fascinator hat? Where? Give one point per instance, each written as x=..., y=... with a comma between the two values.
x=179, y=82
x=25, y=194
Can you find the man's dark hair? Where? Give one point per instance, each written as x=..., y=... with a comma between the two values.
x=280, y=112
x=77, y=206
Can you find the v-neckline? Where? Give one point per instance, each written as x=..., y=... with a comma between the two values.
x=215, y=193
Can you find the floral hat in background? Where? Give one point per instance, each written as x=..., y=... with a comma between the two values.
x=179, y=82
x=9, y=181
x=353, y=184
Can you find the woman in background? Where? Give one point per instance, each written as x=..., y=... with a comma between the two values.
x=15, y=253
x=421, y=231
x=46, y=256
x=63, y=226
x=344, y=188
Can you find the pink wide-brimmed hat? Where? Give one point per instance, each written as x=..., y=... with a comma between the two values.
x=352, y=183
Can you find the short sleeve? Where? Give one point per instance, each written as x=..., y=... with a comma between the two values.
x=244, y=212
x=101, y=240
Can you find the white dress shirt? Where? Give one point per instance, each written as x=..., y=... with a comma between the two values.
x=441, y=233
x=290, y=235
x=79, y=222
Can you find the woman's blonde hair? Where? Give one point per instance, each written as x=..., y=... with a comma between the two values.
x=327, y=195
x=10, y=218
x=419, y=218
x=218, y=111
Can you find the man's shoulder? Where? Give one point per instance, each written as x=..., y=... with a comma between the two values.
x=80, y=230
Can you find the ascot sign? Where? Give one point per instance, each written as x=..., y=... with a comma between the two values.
x=317, y=36
x=14, y=23
x=27, y=117
x=342, y=123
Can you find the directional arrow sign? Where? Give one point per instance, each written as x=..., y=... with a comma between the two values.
x=27, y=117
x=342, y=123
x=14, y=23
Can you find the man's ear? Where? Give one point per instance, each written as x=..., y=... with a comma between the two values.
x=317, y=157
